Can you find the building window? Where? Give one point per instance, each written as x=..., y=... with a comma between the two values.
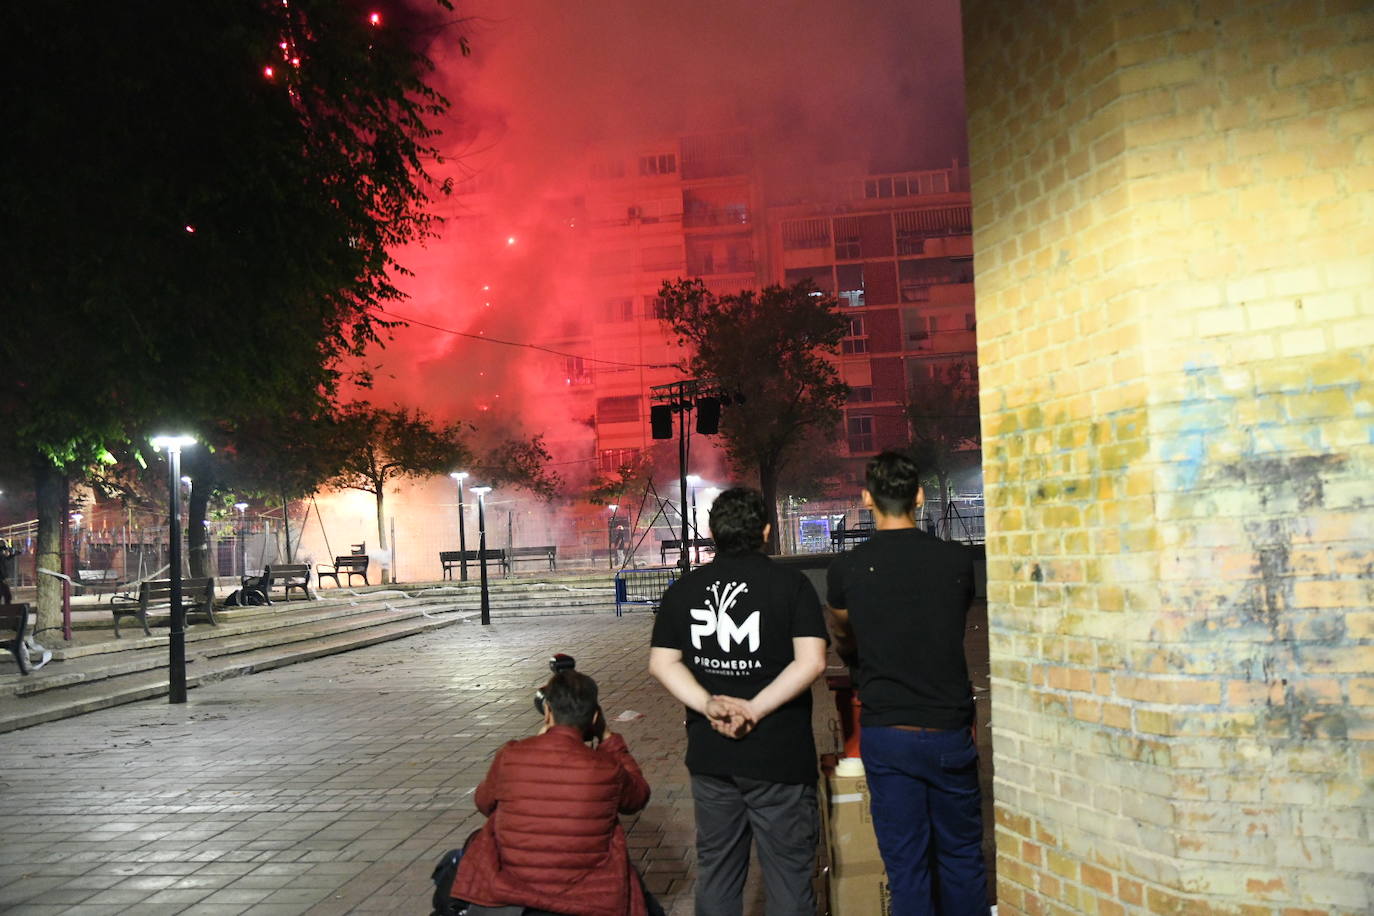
x=618, y=410
x=821, y=277
x=610, y=460
x=859, y=434
x=920, y=329
x=620, y=309
x=849, y=281
x=665, y=164
x=656, y=306
x=847, y=238
x=910, y=241
x=805, y=233
x=857, y=340
x=575, y=370
x=609, y=168
x=860, y=394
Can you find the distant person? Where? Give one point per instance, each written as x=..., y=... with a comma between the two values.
x=553, y=842
x=7, y=554
x=899, y=602
x=739, y=642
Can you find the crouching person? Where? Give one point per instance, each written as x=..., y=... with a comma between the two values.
x=553, y=842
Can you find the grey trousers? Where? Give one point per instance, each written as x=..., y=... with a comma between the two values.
x=780, y=819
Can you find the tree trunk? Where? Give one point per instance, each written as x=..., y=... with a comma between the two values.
x=50, y=488
x=197, y=540
x=768, y=485
x=286, y=524
x=381, y=519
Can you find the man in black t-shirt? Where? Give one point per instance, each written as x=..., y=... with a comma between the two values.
x=899, y=602
x=739, y=641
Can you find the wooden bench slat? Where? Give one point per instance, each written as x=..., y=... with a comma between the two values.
x=197, y=598
x=350, y=565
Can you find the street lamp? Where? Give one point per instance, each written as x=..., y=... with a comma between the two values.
x=458, y=478
x=610, y=537
x=243, y=546
x=482, y=548
x=176, y=639
x=694, y=481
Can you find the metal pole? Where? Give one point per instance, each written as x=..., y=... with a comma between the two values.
x=696, y=533
x=462, y=537
x=176, y=685
x=684, y=556
x=482, y=555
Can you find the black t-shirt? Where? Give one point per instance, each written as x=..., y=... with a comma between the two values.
x=734, y=620
x=908, y=593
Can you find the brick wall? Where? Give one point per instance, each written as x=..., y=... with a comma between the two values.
x=1174, y=227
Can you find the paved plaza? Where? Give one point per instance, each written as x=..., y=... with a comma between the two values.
x=323, y=788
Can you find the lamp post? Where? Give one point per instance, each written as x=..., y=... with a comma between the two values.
x=694, y=481
x=176, y=639
x=243, y=546
x=458, y=478
x=482, y=548
x=610, y=536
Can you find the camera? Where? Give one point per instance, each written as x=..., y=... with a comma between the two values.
x=559, y=662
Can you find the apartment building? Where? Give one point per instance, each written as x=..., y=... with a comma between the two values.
x=895, y=249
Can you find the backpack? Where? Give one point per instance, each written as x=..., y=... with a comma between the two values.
x=444, y=873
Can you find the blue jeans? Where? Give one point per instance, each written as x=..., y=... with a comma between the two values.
x=928, y=819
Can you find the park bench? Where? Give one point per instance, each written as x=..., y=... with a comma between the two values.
x=197, y=597
x=453, y=559
x=283, y=575
x=351, y=565
x=15, y=617
x=547, y=552
x=667, y=547
x=96, y=580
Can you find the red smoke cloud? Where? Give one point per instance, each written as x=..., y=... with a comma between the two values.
x=548, y=84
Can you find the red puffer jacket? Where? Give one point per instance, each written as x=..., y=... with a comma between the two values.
x=553, y=839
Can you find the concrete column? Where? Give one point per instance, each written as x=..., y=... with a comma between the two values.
x=1174, y=250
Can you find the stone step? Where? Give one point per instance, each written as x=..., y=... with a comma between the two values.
x=82, y=698
x=97, y=672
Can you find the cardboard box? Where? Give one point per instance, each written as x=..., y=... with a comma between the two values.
x=857, y=879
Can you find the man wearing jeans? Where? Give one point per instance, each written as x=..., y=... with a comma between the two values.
x=739, y=642
x=898, y=605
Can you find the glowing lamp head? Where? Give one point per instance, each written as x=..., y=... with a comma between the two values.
x=459, y=476
x=480, y=491
x=510, y=240
x=240, y=506
x=613, y=507
x=172, y=443
x=693, y=480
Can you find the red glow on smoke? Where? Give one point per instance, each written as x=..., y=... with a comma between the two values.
x=530, y=118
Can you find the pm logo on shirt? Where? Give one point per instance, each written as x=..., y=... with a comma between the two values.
x=715, y=619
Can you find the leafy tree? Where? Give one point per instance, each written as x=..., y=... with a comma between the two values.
x=272, y=458
x=943, y=413
x=208, y=194
x=772, y=347
x=381, y=445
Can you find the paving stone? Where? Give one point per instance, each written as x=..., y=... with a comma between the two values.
x=327, y=787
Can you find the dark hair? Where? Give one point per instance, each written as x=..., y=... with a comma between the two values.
x=573, y=697
x=893, y=480
x=737, y=520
